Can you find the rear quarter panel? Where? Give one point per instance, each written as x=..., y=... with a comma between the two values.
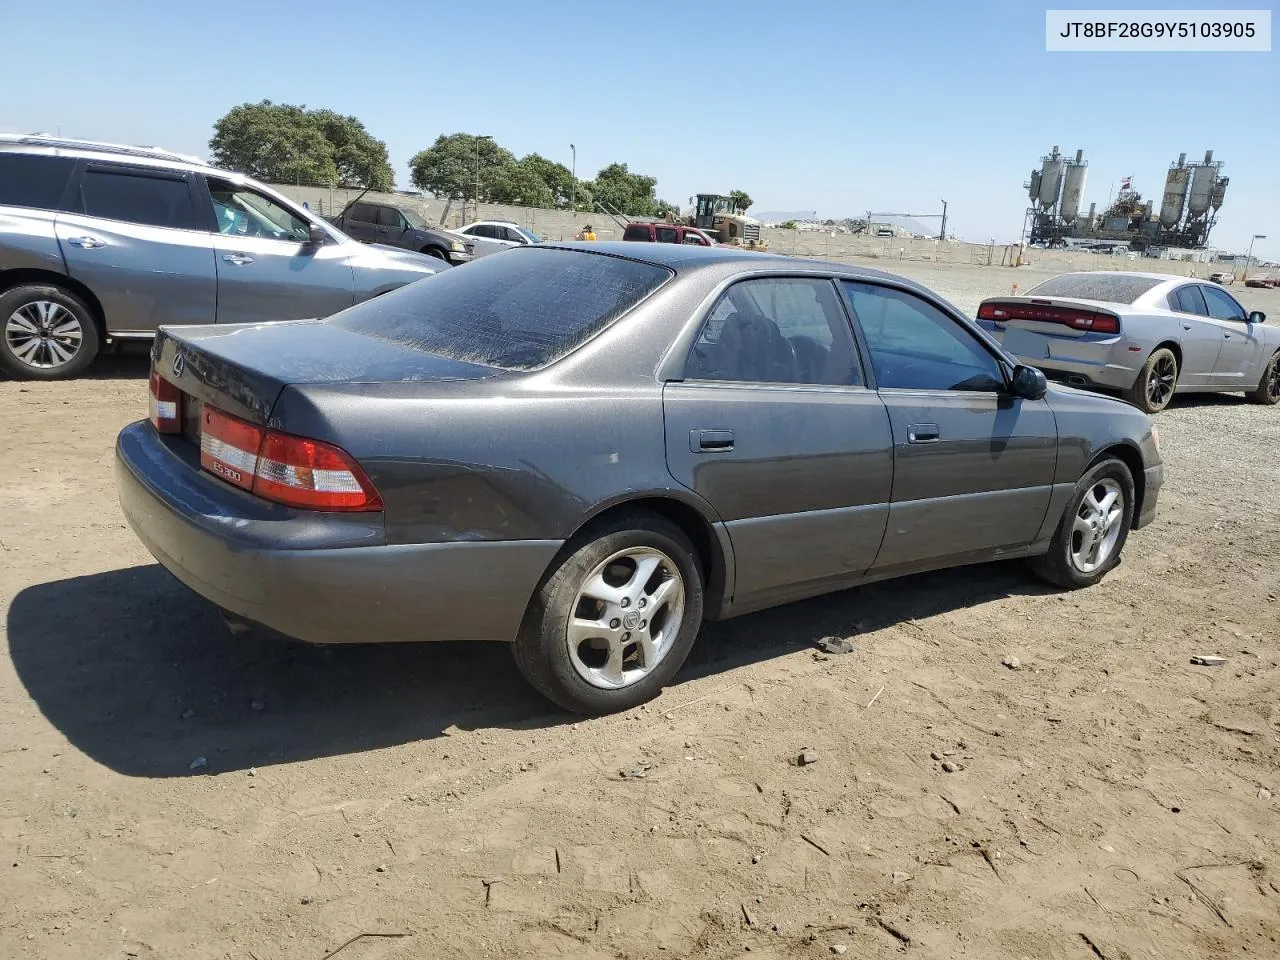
x=28, y=241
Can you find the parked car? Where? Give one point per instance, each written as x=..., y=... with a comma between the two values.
x=103, y=243
x=1148, y=335
x=1222, y=278
x=493, y=236
x=661, y=232
x=1263, y=280
x=588, y=449
x=401, y=226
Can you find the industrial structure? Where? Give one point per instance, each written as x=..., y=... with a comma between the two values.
x=1188, y=209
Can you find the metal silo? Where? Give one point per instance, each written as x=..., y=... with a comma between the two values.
x=1073, y=187
x=1202, y=180
x=1175, y=193
x=1033, y=189
x=1050, y=178
x=1219, y=192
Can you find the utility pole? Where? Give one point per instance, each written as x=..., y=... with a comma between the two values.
x=573, y=179
x=942, y=235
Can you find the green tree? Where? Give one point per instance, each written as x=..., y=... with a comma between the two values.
x=556, y=176
x=789, y=225
x=451, y=166
x=632, y=194
x=741, y=200
x=284, y=143
x=665, y=209
x=521, y=183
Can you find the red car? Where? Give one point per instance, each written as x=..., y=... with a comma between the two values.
x=660, y=232
x=1263, y=280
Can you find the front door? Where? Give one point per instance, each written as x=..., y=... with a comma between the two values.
x=973, y=466
x=392, y=227
x=1238, y=360
x=267, y=269
x=135, y=239
x=774, y=426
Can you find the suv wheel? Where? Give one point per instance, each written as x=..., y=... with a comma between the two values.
x=436, y=252
x=46, y=333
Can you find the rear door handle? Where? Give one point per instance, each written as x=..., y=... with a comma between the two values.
x=239, y=259
x=701, y=441
x=1186, y=326
x=86, y=243
x=923, y=433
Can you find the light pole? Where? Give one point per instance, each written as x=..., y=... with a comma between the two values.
x=476, y=204
x=1249, y=256
x=573, y=180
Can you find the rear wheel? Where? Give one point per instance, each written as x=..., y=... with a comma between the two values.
x=1156, y=383
x=46, y=333
x=1268, y=389
x=616, y=619
x=1094, y=528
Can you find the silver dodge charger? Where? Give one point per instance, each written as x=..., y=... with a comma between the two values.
x=1147, y=335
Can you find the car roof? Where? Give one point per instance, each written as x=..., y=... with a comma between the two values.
x=113, y=152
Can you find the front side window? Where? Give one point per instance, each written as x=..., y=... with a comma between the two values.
x=391, y=217
x=776, y=330
x=915, y=346
x=33, y=180
x=1222, y=306
x=142, y=198
x=242, y=212
x=1189, y=299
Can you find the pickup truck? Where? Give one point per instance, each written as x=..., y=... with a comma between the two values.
x=401, y=227
x=661, y=232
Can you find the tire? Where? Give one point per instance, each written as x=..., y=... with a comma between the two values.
x=29, y=313
x=584, y=678
x=1267, y=392
x=436, y=252
x=1156, y=383
x=1061, y=566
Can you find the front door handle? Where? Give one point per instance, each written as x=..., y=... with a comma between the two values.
x=923, y=433
x=716, y=441
x=86, y=243
x=239, y=259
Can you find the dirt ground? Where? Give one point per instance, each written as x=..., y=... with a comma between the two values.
x=167, y=790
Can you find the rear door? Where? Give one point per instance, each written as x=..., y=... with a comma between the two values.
x=361, y=222
x=1240, y=358
x=973, y=465
x=1198, y=336
x=774, y=426
x=266, y=268
x=134, y=237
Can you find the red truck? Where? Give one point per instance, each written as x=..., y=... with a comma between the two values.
x=661, y=232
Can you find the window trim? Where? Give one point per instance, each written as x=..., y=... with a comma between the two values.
x=74, y=203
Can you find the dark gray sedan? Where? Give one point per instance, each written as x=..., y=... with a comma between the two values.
x=588, y=449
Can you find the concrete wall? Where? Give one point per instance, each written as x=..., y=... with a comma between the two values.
x=564, y=224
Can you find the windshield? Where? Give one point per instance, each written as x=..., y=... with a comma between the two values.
x=1106, y=287
x=415, y=219
x=521, y=311
x=529, y=235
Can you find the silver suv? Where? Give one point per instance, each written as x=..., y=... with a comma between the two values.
x=102, y=243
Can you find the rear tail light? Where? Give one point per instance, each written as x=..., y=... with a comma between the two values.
x=1089, y=320
x=278, y=466
x=162, y=404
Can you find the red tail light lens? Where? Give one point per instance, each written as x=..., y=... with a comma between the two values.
x=1068, y=316
x=295, y=471
x=310, y=474
x=163, y=400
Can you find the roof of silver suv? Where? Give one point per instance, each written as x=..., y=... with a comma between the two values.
x=62, y=146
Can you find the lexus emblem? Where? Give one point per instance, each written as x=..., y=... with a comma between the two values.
x=179, y=364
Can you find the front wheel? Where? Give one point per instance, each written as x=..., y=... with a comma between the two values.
x=1093, y=531
x=1267, y=392
x=436, y=252
x=616, y=618
x=1156, y=383
x=46, y=333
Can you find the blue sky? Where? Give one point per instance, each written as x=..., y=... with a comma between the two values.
x=838, y=107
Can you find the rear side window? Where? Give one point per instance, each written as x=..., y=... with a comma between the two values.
x=637, y=231
x=517, y=312
x=31, y=180
x=363, y=213
x=668, y=235
x=1189, y=299
x=1106, y=287
x=138, y=198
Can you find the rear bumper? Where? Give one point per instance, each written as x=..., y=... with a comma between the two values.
x=1079, y=361
x=324, y=578
x=1153, y=479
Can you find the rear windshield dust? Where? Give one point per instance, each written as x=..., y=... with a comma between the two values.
x=518, y=310
x=1107, y=287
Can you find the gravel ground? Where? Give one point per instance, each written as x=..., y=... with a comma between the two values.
x=167, y=790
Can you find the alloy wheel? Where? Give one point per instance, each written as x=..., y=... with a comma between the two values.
x=625, y=618
x=1273, y=381
x=1163, y=378
x=43, y=334
x=1096, y=529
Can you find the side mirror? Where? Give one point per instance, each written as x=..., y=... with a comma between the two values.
x=1257, y=316
x=1028, y=383
x=317, y=236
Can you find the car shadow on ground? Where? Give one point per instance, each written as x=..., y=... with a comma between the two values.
x=143, y=676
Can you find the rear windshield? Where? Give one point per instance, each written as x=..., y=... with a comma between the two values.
x=1107, y=287
x=520, y=310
